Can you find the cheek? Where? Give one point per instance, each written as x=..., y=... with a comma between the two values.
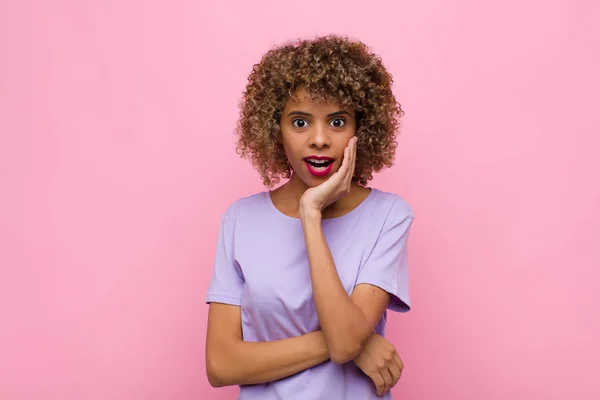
x=289, y=154
x=342, y=143
x=289, y=147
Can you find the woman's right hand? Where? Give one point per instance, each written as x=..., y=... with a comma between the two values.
x=380, y=362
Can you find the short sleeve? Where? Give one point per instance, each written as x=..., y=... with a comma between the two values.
x=387, y=265
x=227, y=281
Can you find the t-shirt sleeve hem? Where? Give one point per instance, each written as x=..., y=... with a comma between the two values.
x=398, y=302
x=223, y=298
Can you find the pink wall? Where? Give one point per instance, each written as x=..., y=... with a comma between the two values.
x=115, y=130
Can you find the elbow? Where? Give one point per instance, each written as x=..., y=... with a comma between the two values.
x=345, y=348
x=216, y=375
x=346, y=353
x=215, y=381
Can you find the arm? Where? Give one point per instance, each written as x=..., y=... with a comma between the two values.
x=347, y=321
x=231, y=361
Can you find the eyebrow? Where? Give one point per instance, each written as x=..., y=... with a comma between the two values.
x=333, y=114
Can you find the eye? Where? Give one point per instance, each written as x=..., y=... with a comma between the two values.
x=338, y=122
x=299, y=123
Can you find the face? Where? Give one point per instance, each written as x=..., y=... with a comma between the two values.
x=314, y=137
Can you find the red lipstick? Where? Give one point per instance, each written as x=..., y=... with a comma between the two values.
x=319, y=165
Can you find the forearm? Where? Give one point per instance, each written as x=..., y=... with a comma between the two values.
x=259, y=362
x=342, y=321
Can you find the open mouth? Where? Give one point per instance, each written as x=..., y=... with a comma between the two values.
x=319, y=166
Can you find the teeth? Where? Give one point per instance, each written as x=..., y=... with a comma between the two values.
x=318, y=161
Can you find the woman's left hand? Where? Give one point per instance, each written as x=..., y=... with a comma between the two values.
x=379, y=361
x=334, y=188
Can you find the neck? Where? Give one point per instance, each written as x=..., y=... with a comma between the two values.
x=294, y=188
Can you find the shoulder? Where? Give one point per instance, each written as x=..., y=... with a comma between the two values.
x=245, y=205
x=393, y=205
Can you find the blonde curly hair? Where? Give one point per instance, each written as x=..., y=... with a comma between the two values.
x=332, y=69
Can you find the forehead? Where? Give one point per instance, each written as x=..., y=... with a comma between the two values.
x=302, y=99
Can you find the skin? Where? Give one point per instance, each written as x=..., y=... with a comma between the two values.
x=347, y=322
x=308, y=129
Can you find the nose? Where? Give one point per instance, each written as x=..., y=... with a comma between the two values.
x=319, y=137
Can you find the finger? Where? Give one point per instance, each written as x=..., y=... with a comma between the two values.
x=395, y=373
x=387, y=379
x=379, y=383
x=352, y=161
x=398, y=362
x=345, y=161
x=342, y=179
x=353, y=158
x=338, y=177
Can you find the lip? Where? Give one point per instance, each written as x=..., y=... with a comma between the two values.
x=319, y=158
x=315, y=172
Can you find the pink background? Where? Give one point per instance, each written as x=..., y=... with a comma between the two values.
x=117, y=159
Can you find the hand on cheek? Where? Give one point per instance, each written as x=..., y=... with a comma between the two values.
x=338, y=185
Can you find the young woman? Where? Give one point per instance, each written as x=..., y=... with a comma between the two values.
x=304, y=273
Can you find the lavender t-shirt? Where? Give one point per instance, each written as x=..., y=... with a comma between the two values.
x=262, y=266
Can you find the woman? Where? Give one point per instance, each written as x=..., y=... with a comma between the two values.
x=304, y=273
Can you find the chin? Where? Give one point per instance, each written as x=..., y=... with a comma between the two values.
x=315, y=183
x=312, y=181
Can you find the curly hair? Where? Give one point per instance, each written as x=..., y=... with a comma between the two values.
x=332, y=69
